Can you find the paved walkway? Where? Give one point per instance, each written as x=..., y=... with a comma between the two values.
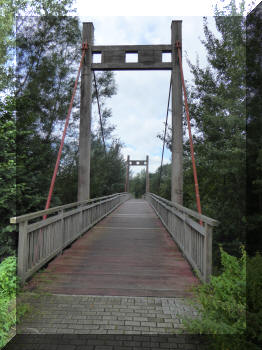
x=62, y=322
x=63, y=314
x=129, y=253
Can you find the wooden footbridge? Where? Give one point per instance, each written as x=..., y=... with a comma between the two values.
x=116, y=245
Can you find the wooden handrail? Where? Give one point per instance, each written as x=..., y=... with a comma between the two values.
x=188, y=211
x=194, y=240
x=31, y=216
x=41, y=241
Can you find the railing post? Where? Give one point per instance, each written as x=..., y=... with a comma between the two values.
x=81, y=218
x=22, y=251
x=208, y=252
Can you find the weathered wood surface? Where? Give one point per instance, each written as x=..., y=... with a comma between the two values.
x=127, y=253
x=85, y=116
x=194, y=240
x=39, y=242
x=177, y=119
x=149, y=57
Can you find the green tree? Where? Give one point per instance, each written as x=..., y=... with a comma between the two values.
x=10, y=130
x=221, y=305
x=8, y=188
x=217, y=109
x=45, y=76
x=254, y=127
x=137, y=184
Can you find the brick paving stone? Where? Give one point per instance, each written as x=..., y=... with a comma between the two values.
x=102, y=315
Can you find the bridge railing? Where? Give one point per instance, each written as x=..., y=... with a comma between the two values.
x=41, y=240
x=194, y=240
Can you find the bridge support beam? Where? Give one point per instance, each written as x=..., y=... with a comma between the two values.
x=85, y=116
x=177, y=121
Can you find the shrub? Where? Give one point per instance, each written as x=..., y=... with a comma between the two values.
x=8, y=279
x=221, y=304
x=8, y=284
x=254, y=302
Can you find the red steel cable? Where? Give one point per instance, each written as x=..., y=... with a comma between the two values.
x=178, y=46
x=84, y=48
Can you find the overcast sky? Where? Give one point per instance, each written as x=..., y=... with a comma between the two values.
x=139, y=108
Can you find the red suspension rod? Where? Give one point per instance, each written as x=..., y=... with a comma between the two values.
x=178, y=46
x=84, y=48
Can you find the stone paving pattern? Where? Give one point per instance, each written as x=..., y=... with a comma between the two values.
x=65, y=314
x=104, y=323
x=107, y=342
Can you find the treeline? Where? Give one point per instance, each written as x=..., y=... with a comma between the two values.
x=34, y=102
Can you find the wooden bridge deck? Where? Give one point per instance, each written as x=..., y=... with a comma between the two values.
x=129, y=253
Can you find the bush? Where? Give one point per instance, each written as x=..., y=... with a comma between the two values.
x=8, y=279
x=8, y=287
x=254, y=302
x=221, y=304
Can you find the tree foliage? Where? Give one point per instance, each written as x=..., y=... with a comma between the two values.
x=221, y=303
x=218, y=112
x=137, y=184
x=254, y=127
x=48, y=50
x=8, y=288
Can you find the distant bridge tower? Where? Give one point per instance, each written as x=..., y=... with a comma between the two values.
x=137, y=163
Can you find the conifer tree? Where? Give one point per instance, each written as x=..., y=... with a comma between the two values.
x=218, y=111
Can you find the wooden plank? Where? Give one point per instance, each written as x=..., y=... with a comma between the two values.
x=113, y=56
x=122, y=261
x=208, y=253
x=131, y=66
x=22, y=251
x=150, y=56
x=42, y=223
x=131, y=48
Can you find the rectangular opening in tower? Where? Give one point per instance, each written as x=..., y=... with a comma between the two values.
x=131, y=57
x=97, y=57
x=166, y=57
